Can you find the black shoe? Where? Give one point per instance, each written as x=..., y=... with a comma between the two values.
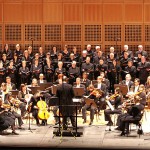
x=91, y=122
x=56, y=123
x=14, y=133
x=38, y=124
x=109, y=123
x=84, y=121
x=117, y=128
x=122, y=134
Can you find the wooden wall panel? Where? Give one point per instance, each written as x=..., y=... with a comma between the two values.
x=33, y=12
x=52, y=12
x=112, y=13
x=147, y=12
x=1, y=12
x=13, y=12
x=75, y=22
x=92, y=13
x=133, y=12
x=72, y=12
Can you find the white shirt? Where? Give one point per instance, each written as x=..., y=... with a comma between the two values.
x=41, y=81
x=99, y=86
x=78, y=85
x=136, y=89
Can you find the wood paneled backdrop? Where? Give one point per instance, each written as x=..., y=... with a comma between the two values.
x=75, y=22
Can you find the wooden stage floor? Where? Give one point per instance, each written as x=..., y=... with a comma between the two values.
x=96, y=136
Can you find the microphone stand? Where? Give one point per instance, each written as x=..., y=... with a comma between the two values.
x=29, y=128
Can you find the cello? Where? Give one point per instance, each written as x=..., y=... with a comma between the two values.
x=43, y=114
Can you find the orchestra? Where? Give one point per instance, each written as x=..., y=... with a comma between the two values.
x=93, y=70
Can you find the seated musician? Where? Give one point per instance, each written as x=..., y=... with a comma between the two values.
x=92, y=95
x=34, y=83
x=133, y=115
x=101, y=86
x=41, y=79
x=127, y=81
x=60, y=77
x=73, y=72
x=79, y=85
x=14, y=104
x=33, y=107
x=3, y=92
x=85, y=80
x=23, y=94
x=116, y=100
x=7, y=119
x=9, y=84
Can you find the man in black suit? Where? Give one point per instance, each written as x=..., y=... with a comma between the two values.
x=101, y=86
x=41, y=79
x=9, y=84
x=85, y=79
x=65, y=94
x=127, y=81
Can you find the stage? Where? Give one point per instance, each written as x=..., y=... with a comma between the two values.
x=95, y=136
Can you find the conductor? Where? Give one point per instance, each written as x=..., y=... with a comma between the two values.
x=65, y=94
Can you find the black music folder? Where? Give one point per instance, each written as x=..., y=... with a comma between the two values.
x=78, y=91
x=123, y=88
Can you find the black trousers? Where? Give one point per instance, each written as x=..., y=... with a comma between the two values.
x=108, y=112
x=22, y=107
x=35, y=115
x=18, y=116
x=92, y=110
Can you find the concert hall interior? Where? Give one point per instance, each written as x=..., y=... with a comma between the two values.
x=75, y=74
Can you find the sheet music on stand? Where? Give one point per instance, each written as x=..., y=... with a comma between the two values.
x=110, y=105
x=123, y=88
x=78, y=92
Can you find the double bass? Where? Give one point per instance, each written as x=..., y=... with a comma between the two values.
x=43, y=114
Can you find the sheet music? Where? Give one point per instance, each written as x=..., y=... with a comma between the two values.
x=110, y=105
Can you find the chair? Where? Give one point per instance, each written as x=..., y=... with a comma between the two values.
x=137, y=123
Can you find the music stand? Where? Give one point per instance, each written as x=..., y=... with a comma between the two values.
x=123, y=88
x=89, y=101
x=54, y=89
x=14, y=93
x=78, y=92
x=44, y=86
x=34, y=89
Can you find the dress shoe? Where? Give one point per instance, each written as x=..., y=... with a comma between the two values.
x=84, y=121
x=91, y=122
x=109, y=124
x=117, y=128
x=14, y=133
